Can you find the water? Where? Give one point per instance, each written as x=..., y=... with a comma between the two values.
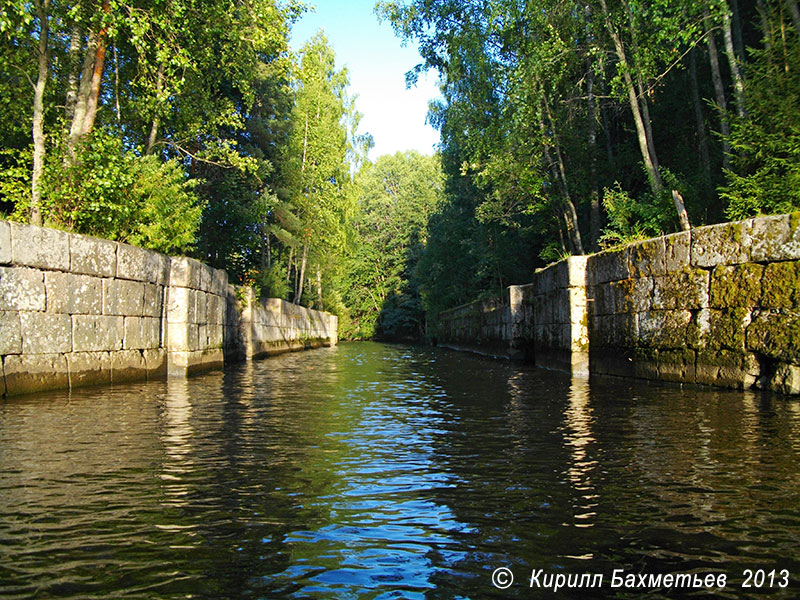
x=375, y=471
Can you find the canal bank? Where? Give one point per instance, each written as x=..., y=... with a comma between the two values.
x=77, y=310
x=717, y=305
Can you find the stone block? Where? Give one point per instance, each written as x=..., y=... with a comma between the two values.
x=577, y=271
x=181, y=305
x=206, y=277
x=73, y=294
x=738, y=285
x=153, y=300
x=5, y=243
x=219, y=284
x=10, y=333
x=547, y=279
x=183, y=337
x=677, y=251
x=216, y=336
x=780, y=285
x=141, y=333
x=89, y=368
x=677, y=365
x=723, y=368
x=619, y=363
x=727, y=329
x=776, y=334
x=92, y=256
x=611, y=265
x=138, y=264
x=128, y=365
x=687, y=288
x=123, y=297
x=724, y=244
x=186, y=272
x=26, y=373
x=155, y=360
x=786, y=379
x=22, y=289
x=648, y=258
x=97, y=333
x=45, y=333
x=612, y=331
x=666, y=329
x=645, y=363
x=215, y=315
x=775, y=238
x=620, y=295
x=181, y=364
x=201, y=306
x=39, y=247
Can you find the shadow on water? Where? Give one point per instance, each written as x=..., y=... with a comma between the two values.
x=376, y=471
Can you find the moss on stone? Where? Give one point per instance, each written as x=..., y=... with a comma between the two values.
x=776, y=335
x=736, y=286
x=727, y=330
x=781, y=285
x=794, y=221
x=720, y=358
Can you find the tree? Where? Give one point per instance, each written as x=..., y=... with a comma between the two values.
x=397, y=196
x=324, y=119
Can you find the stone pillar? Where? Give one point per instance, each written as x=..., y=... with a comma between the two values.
x=516, y=323
x=578, y=316
x=195, y=317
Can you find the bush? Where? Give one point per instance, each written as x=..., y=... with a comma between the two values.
x=113, y=193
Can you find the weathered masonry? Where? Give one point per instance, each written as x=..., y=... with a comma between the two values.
x=718, y=305
x=76, y=310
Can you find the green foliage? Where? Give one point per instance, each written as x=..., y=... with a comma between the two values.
x=272, y=283
x=631, y=219
x=766, y=143
x=398, y=195
x=111, y=193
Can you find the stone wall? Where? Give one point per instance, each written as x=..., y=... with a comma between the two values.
x=76, y=310
x=272, y=326
x=718, y=305
x=483, y=326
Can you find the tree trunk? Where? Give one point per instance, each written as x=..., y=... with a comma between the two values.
x=681, y=210
x=702, y=138
x=594, y=196
x=719, y=92
x=299, y=291
x=736, y=74
x=650, y=162
x=795, y=12
x=151, y=139
x=738, y=43
x=763, y=15
x=319, y=289
x=89, y=90
x=570, y=214
x=74, y=66
x=42, y=9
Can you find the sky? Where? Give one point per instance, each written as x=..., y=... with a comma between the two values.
x=377, y=63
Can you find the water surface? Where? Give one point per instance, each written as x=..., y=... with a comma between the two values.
x=377, y=471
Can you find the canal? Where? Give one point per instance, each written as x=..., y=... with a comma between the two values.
x=380, y=471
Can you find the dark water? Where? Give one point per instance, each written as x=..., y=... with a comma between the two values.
x=374, y=471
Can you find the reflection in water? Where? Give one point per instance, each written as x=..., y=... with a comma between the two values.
x=578, y=437
x=372, y=471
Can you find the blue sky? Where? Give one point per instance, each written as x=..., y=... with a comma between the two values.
x=377, y=63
